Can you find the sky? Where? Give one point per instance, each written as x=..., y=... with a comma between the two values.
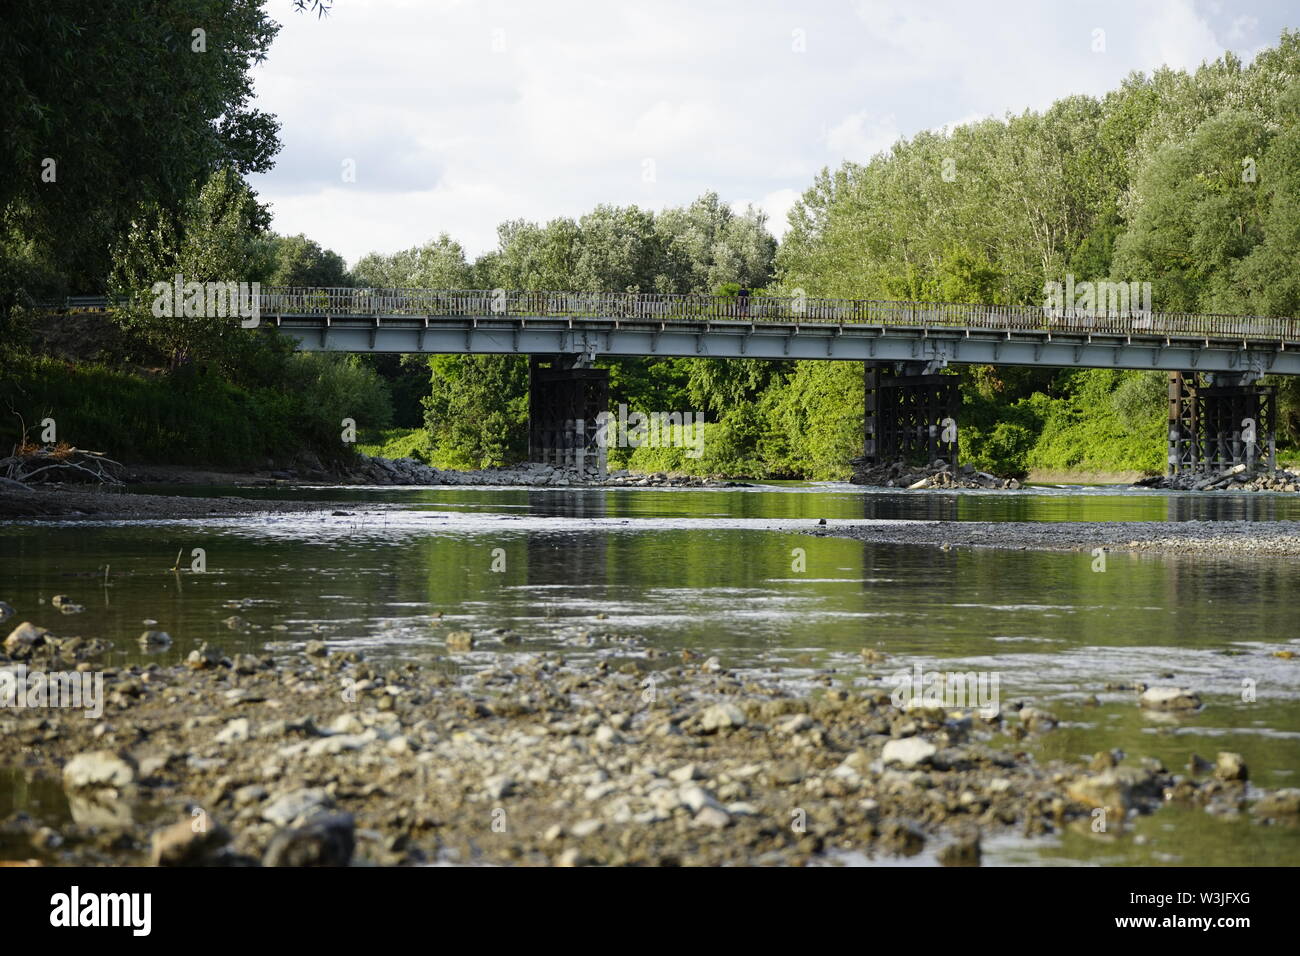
x=404, y=119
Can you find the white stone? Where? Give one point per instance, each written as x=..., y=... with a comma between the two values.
x=719, y=716
x=909, y=751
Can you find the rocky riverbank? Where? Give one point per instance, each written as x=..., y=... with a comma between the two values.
x=51, y=500
x=315, y=757
x=937, y=474
x=1219, y=539
x=1235, y=479
x=408, y=471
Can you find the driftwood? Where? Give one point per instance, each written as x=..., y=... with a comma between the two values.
x=34, y=464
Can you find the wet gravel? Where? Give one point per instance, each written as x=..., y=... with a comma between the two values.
x=322, y=758
x=84, y=501
x=1209, y=538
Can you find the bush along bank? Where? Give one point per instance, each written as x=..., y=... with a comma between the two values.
x=192, y=415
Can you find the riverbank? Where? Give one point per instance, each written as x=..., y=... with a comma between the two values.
x=317, y=757
x=98, y=501
x=119, y=501
x=1222, y=539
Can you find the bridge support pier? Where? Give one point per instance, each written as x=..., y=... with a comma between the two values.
x=911, y=413
x=1219, y=420
x=565, y=400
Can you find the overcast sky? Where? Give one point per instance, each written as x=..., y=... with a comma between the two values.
x=456, y=115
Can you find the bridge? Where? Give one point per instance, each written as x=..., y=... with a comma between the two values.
x=770, y=327
x=1214, y=361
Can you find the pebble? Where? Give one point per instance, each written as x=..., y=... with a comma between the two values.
x=711, y=816
x=1168, y=698
x=155, y=639
x=326, y=840
x=297, y=805
x=1230, y=766
x=24, y=637
x=191, y=842
x=99, y=768
x=721, y=716
x=686, y=773
x=908, y=752
x=235, y=732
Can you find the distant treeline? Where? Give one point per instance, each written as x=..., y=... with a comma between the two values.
x=1188, y=182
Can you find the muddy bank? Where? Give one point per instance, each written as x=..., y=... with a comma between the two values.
x=319, y=757
x=1224, y=539
x=104, y=501
x=118, y=501
x=1050, y=477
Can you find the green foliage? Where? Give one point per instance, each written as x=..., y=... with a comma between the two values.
x=213, y=240
x=1086, y=431
x=1002, y=451
x=477, y=410
x=438, y=264
x=191, y=417
x=337, y=387
x=299, y=261
x=814, y=421
x=398, y=443
x=128, y=112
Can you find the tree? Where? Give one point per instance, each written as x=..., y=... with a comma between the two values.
x=477, y=409
x=1195, y=214
x=299, y=261
x=438, y=264
x=106, y=107
x=213, y=240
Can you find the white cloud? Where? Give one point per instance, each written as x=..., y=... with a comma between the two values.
x=858, y=137
x=460, y=115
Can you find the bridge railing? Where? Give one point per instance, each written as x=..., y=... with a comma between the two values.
x=669, y=307
x=464, y=303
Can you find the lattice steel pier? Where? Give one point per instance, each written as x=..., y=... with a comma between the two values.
x=565, y=401
x=1217, y=421
x=911, y=414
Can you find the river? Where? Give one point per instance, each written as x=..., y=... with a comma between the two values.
x=729, y=573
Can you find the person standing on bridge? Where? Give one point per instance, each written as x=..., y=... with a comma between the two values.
x=742, y=302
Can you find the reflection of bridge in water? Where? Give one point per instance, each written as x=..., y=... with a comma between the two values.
x=1218, y=413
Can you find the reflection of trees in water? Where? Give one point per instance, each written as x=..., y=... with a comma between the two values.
x=575, y=504
x=920, y=506
x=39, y=796
x=567, y=558
x=1239, y=599
x=1220, y=507
x=1194, y=601
x=573, y=558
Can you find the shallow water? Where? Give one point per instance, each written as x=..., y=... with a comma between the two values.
x=716, y=572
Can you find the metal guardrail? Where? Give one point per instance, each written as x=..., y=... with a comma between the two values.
x=453, y=303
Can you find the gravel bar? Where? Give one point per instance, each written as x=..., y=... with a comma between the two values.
x=1218, y=538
